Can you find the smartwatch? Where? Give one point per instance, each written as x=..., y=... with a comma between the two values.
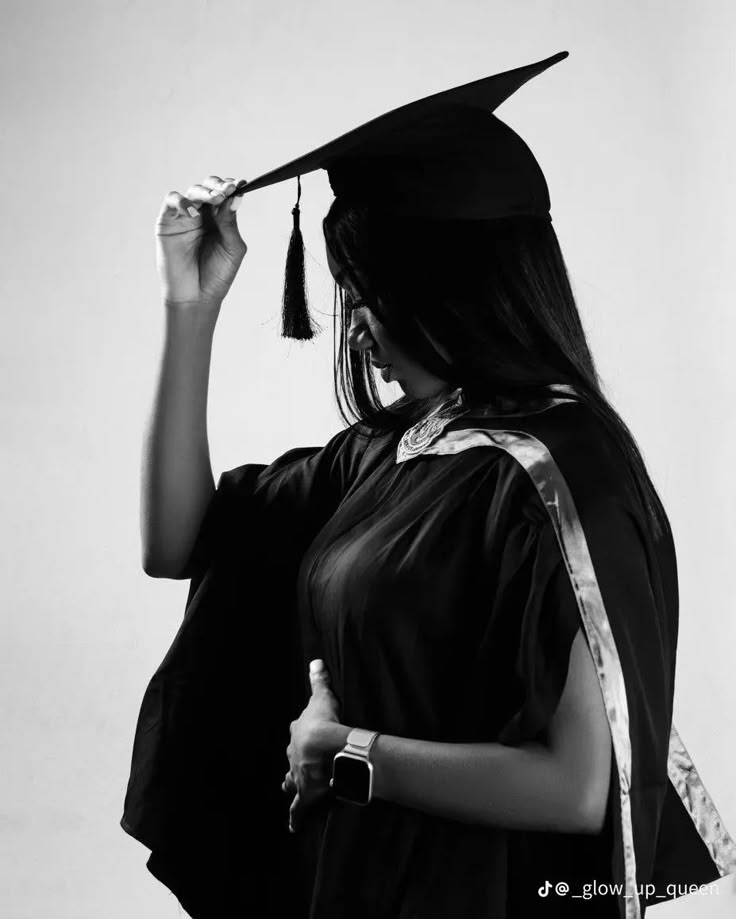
x=352, y=770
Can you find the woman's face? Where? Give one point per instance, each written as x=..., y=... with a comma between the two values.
x=366, y=333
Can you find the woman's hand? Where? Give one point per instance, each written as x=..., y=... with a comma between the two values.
x=198, y=245
x=309, y=752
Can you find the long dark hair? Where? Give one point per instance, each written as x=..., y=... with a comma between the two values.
x=495, y=294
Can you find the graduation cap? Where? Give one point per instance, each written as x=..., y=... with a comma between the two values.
x=446, y=156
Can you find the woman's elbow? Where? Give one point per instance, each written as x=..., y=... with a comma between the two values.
x=164, y=568
x=591, y=811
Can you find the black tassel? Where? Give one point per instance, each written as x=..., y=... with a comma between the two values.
x=296, y=321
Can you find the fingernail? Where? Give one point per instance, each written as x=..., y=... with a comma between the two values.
x=235, y=203
x=193, y=212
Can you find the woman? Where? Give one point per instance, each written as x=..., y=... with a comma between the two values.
x=502, y=622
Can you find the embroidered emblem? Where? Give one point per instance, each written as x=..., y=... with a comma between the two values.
x=419, y=436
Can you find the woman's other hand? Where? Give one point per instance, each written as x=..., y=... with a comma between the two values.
x=310, y=759
x=199, y=248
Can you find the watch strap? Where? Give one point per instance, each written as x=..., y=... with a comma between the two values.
x=359, y=741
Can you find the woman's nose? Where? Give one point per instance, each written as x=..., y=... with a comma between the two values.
x=359, y=336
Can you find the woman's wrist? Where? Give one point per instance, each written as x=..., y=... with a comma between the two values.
x=199, y=306
x=197, y=318
x=330, y=737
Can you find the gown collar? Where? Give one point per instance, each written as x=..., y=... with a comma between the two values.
x=429, y=429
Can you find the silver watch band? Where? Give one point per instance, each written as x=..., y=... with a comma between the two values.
x=360, y=741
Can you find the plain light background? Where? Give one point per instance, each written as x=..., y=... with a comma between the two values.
x=107, y=106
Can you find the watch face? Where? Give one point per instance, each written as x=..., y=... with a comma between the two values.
x=352, y=778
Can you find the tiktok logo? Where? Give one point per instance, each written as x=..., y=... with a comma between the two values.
x=544, y=889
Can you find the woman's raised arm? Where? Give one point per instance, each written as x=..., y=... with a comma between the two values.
x=199, y=251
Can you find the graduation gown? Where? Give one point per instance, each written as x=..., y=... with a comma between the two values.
x=442, y=575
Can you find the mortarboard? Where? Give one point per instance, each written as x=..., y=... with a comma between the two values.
x=446, y=156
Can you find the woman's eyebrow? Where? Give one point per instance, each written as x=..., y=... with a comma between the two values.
x=353, y=303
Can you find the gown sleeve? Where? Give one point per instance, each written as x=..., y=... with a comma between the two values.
x=549, y=619
x=204, y=792
x=583, y=558
x=300, y=490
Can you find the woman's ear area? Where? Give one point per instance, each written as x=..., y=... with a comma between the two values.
x=435, y=344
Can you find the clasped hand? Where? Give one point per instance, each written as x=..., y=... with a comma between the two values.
x=310, y=763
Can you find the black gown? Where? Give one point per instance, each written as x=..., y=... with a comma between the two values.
x=442, y=576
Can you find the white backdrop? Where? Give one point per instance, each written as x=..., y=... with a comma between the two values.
x=106, y=106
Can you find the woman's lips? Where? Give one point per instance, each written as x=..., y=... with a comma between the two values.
x=385, y=370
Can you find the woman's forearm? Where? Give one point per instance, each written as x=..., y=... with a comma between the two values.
x=519, y=788
x=176, y=475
